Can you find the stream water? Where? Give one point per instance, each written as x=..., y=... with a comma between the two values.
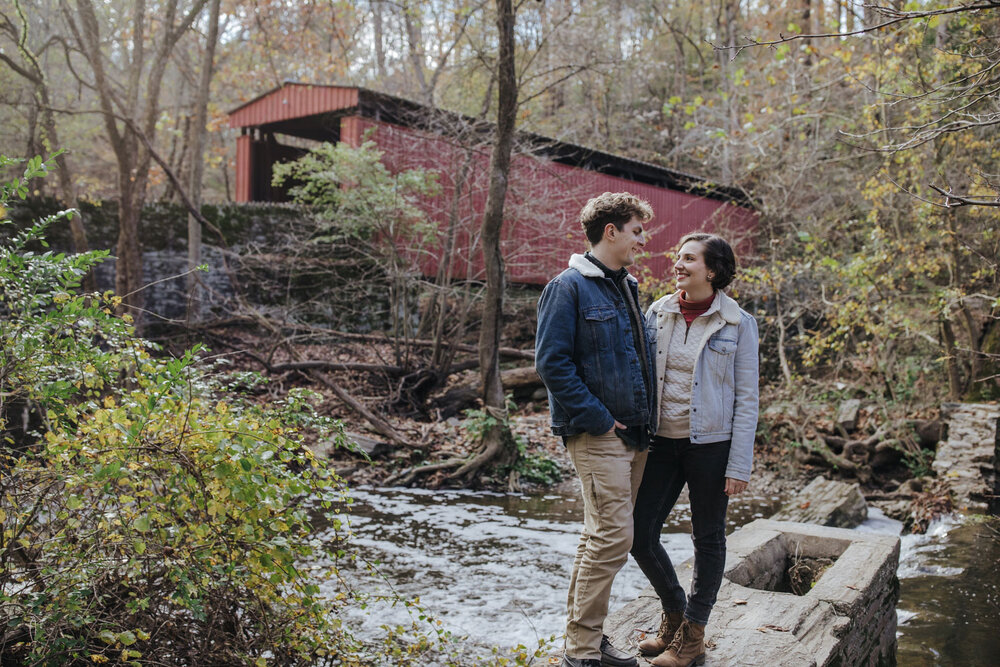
x=495, y=567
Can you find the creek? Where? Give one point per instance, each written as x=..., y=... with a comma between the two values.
x=495, y=567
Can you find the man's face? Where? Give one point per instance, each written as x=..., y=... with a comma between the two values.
x=626, y=242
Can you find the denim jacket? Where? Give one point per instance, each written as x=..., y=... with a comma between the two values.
x=586, y=355
x=724, y=387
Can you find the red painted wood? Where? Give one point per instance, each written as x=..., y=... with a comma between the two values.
x=543, y=200
x=243, y=168
x=543, y=203
x=293, y=101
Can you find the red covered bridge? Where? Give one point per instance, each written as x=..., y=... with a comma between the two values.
x=550, y=180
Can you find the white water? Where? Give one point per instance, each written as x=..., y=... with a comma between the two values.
x=493, y=567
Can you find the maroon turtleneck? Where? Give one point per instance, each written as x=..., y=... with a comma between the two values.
x=692, y=309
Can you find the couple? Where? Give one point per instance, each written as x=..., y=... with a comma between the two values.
x=645, y=405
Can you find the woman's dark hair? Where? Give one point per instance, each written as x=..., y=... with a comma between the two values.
x=719, y=257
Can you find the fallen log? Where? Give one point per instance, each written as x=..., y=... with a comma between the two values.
x=405, y=477
x=460, y=397
x=507, y=352
x=394, y=371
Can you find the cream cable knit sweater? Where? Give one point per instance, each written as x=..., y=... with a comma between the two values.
x=682, y=354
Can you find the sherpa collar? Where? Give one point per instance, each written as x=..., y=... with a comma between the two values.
x=590, y=270
x=724, y=304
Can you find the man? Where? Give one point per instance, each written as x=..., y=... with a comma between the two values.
x=593, y=355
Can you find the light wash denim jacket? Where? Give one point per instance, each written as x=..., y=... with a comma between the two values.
x=724, y=388
x=586, y=355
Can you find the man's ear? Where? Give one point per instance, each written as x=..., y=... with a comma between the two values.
x=610, y=230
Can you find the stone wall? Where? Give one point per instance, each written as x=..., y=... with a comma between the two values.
x=970, y=458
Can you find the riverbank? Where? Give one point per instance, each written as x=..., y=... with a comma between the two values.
x=815, y=428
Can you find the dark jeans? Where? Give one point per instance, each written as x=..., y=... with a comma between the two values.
x=671, y=464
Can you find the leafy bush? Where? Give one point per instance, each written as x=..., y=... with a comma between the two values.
x=148, y=517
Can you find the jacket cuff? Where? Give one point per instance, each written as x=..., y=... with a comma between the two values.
x=738, y=474
x=605, y=425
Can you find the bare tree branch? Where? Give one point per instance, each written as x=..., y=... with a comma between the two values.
x=953, y=200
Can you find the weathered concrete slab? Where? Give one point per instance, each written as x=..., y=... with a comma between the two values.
x=970, y=458
x=848, y=617
x=826, y=502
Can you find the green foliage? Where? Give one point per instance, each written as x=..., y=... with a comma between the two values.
x=356, y=195
x=537, y=468
x=533, y=467
x=34, y=168
x=367, y=228
x=148, y=517
x=896, y=289
x=918, y=461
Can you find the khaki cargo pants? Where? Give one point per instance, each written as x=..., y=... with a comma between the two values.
x=610, y=474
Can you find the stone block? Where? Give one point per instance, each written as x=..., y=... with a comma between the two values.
x=826, y=503
x=847, y=618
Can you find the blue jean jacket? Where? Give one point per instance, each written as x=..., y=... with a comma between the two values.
x=586, y=355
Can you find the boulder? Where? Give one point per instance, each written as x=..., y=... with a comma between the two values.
x=847, y=414
x=826, y=503
x=373, y=448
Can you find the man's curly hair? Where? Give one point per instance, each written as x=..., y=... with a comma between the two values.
x=614, y=207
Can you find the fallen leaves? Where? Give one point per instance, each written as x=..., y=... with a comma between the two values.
x=772, y=628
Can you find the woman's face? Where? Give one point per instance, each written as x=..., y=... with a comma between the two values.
x=690, y=269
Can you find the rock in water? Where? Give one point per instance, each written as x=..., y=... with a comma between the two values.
x=826, y=503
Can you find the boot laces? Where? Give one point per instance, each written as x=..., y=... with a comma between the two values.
x=664, y=625
x=680, y=638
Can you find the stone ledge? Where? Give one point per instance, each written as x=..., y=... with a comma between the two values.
x=848, y=617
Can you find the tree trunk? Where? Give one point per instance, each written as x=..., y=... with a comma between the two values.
x=379, y=44
x=415, y=48
x=136, y=97
x=727, y=27
x=128, y=253
x=951, y=360
x=198, y=162
x=498, y=447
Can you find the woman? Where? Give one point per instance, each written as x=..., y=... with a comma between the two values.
x=707, y=372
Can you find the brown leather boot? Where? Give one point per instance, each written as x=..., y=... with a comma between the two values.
x=656, y=645
x=686, y=649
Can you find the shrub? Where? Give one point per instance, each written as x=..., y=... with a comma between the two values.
x=147, y=516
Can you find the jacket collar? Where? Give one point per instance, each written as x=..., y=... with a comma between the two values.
x=590, y=270
x=724, y=304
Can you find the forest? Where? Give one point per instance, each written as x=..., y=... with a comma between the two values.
x=191, y=384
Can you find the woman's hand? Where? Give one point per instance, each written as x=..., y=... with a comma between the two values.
x=735, y=486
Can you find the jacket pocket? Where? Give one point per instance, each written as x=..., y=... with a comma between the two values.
x=601, y=323
x=721, y=345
